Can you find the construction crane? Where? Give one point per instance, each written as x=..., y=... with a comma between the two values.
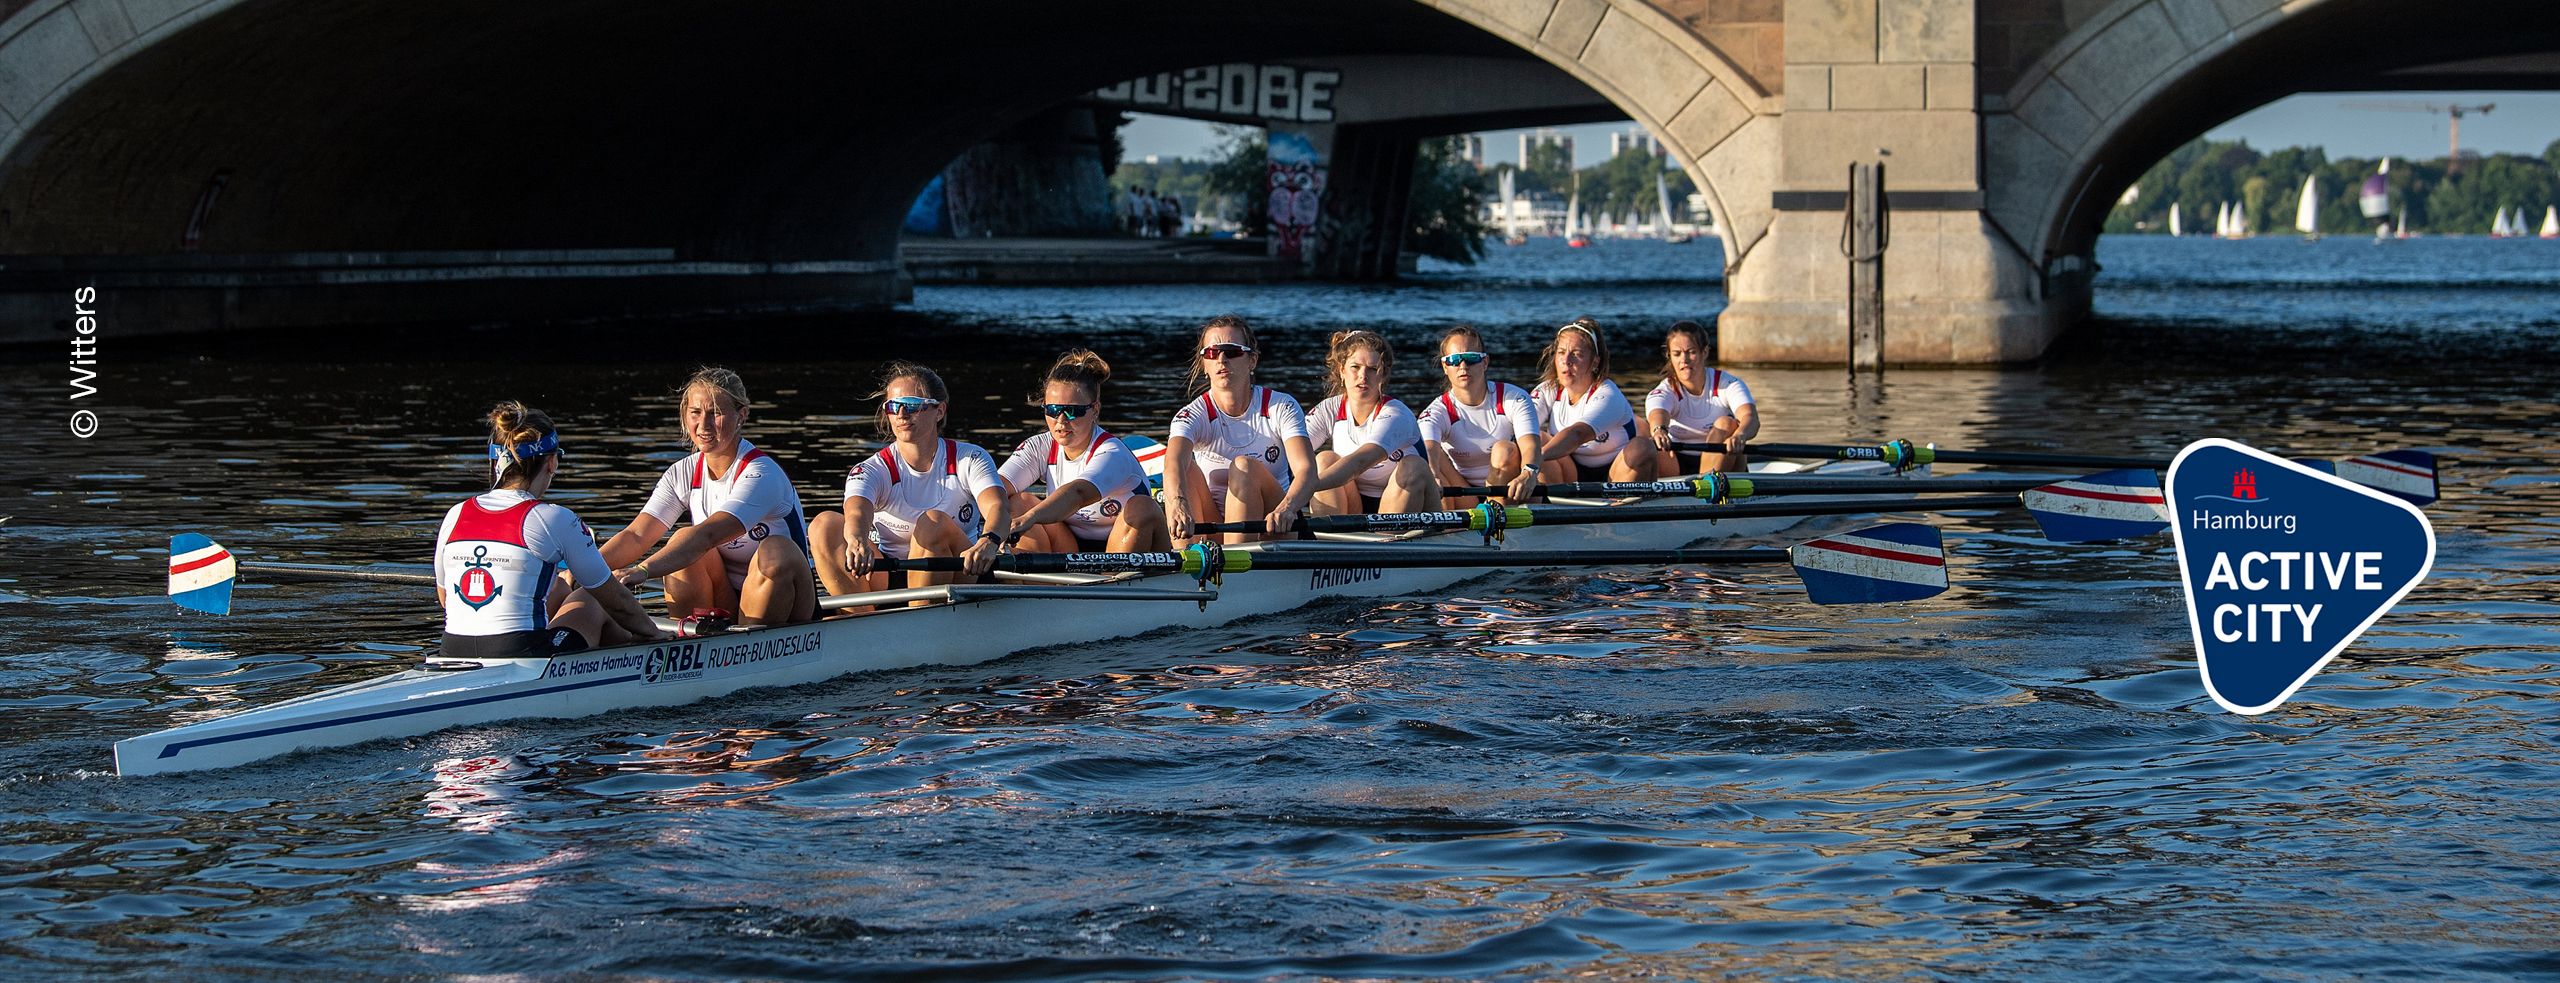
x=2453, y=148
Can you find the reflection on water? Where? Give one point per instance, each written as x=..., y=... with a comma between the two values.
x=1684, y=773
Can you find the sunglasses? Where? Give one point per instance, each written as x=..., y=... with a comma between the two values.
x=904, y=405
x=1216, y=352
x=1069, y=412
x=1461, y=358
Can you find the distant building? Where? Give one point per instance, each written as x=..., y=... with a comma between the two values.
x=1471, y=149
x=1539, y=138
x=1633, y=136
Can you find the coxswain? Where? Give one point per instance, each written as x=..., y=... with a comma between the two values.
x=1591, y=429
x=1097, y=498
x=1697, y=404
x=1478, y=432
x=496, y=554
x=1236, y=450
x=747, y=551
x=924, y=495
x=1374, y=461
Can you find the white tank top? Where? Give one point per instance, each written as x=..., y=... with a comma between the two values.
x=1107, y=463
x=1692, y=415
x=1270, y=417
x=755, y=492
x=496, y=555
x=1469, y=432
x=1392, y=428
x=949, y=483
x=1605, y=408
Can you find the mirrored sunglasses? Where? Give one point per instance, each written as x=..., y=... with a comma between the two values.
x=1216, y=352
x=1461, y=358
x=904, y=405
x=1070, y=412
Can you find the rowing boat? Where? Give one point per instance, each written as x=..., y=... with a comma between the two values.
x=969, y=624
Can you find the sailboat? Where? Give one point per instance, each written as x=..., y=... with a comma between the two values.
x=1511, y=214
x=2498, y=228
x=2400, y=228
x=2174, y=231
x=2375, y=202
x=2306, y=216
x=1662, y=199
x=2551, y=221
x=1573, y=235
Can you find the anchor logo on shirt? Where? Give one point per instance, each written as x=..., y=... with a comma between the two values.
x=478, y=586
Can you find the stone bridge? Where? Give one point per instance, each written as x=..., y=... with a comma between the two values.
x=212, y=163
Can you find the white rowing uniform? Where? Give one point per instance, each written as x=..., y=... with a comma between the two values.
x=1692, y=415
x=1270, y=418
x=1391, y=426
x=1469, y=432
x=755, y=492
x=950, y=483
x=496, y=555
x=1605, y=408
x=1107, y=464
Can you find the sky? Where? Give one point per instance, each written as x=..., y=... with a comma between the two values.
x=2522, y=123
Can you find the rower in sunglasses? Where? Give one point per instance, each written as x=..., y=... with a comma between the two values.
x=1479, y=432
x=1097, y=497
x=1374, y=461
x=1238, y=451
x=923, y=495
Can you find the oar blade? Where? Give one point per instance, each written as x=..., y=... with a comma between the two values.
x=2095, y=508
x=201, y=573
x=1897, y=561
x=1150, y=457
x=2405, y=474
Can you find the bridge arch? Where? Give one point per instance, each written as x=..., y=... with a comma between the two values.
x=777, y=143
x=2141, y=77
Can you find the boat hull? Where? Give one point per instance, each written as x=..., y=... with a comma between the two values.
x=676, y=672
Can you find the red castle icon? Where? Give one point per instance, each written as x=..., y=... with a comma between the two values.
x=2244, y=484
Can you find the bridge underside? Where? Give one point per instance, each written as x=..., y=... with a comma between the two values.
x=295, y=163
x=212, y=163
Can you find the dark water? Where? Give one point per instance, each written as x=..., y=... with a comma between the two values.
x=1637, y=772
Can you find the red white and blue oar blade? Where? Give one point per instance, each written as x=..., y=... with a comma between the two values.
x=1150, y=458
x=2406, y=474
x=2095, y=508
x=201, y=573
x=1898, y=561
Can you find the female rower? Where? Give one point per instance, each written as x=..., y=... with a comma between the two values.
x=1479, y=432
x=1239, y=451
x=1376, y=461
x=1697, y=405
x=1591, y=429
x=1097, y=496
x=496, y=552
x=924, y=495
x=748, y=548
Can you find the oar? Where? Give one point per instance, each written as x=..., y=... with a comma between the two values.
x=1724, y=487
x=1495, y=518
x=1900, y=561
x=327, y=571
x=2408, y=474
x=2108, y=505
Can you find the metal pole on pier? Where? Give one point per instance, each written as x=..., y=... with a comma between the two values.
x=1864, y=232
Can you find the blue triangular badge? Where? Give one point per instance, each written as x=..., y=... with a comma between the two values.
x=2284, y=565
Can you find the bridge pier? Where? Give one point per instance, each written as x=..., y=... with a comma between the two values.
x=1891, y=83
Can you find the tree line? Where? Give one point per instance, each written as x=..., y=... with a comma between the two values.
x=1449, y=193
x=2436, y=197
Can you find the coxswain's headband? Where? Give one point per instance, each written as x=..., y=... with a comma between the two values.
x=525, y=452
